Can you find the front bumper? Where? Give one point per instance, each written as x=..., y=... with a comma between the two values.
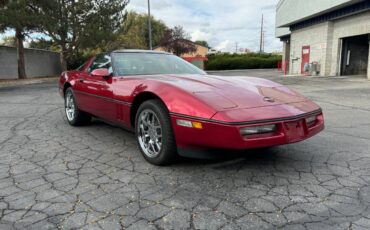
x=227, y=136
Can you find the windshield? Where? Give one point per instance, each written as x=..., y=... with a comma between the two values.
x=151, y=64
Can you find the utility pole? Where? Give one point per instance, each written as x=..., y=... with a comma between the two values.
x=236, y=47
x=261, y=38
x=150, y=27
x=263, y=41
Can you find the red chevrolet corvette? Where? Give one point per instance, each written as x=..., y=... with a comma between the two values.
x=175, y=108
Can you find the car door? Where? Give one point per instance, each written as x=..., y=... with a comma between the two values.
x=96, y=92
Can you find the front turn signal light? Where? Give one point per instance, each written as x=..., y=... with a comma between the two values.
x=197, y=125
x=189, y=124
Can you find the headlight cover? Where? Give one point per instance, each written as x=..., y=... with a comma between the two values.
x=252, y=130
x=311, y=120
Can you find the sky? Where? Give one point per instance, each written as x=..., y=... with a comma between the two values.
x=224, y=24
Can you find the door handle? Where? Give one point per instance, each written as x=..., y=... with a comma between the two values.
x=81, y=80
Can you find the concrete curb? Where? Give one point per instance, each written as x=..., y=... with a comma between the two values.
x=6, y=83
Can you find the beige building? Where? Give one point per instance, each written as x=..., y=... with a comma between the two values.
x=333, y=35
x=197, y=58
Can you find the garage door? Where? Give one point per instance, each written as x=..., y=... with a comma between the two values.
x=355, y=54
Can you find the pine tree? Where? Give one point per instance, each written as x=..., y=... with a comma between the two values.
x=18, y=15
x=79, y=24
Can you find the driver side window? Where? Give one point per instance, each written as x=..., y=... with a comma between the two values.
x=101, y=61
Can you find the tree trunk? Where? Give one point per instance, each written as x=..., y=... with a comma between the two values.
x=20, y=54
x=63, y=60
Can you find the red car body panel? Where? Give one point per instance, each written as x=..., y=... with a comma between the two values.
x=227, y=136
x=223, y=105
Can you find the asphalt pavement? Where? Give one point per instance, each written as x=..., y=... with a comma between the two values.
x=53, y=175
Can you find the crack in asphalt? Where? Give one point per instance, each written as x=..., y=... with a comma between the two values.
x=53, y=175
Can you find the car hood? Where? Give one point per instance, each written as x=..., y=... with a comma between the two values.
x=234, y=92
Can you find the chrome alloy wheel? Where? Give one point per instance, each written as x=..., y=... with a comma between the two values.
x=70, y=106
x=149, y=133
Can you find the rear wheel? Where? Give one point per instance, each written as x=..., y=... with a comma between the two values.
x=74, y=116
x=154, y=133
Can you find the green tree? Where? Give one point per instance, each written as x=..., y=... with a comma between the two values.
x=76, y=25
x=177, y=41
x=202, y=43
x=134, y=33
x=18, y=16
x=44, y=44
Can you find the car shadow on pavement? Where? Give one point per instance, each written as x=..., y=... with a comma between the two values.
x=230, y=158
x=219, y=158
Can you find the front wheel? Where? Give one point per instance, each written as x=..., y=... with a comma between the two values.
x=154, y=133
x=74, y=116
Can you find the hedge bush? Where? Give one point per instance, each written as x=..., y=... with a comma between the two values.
x=242, y=61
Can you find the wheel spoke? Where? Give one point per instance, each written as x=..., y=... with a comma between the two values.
x=69, y=106
x=158, y=145
x=144, y=118
x=149, y=133
x=150, y=116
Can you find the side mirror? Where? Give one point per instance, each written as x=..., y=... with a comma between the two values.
x=103, y=72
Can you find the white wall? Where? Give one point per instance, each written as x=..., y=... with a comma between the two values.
x=292, y=11
x=317, y=38
x=289, y=11
x=346, y=27
x=325, y=42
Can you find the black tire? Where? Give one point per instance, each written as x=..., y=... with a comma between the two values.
x=168, y=151
x=79, y=118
